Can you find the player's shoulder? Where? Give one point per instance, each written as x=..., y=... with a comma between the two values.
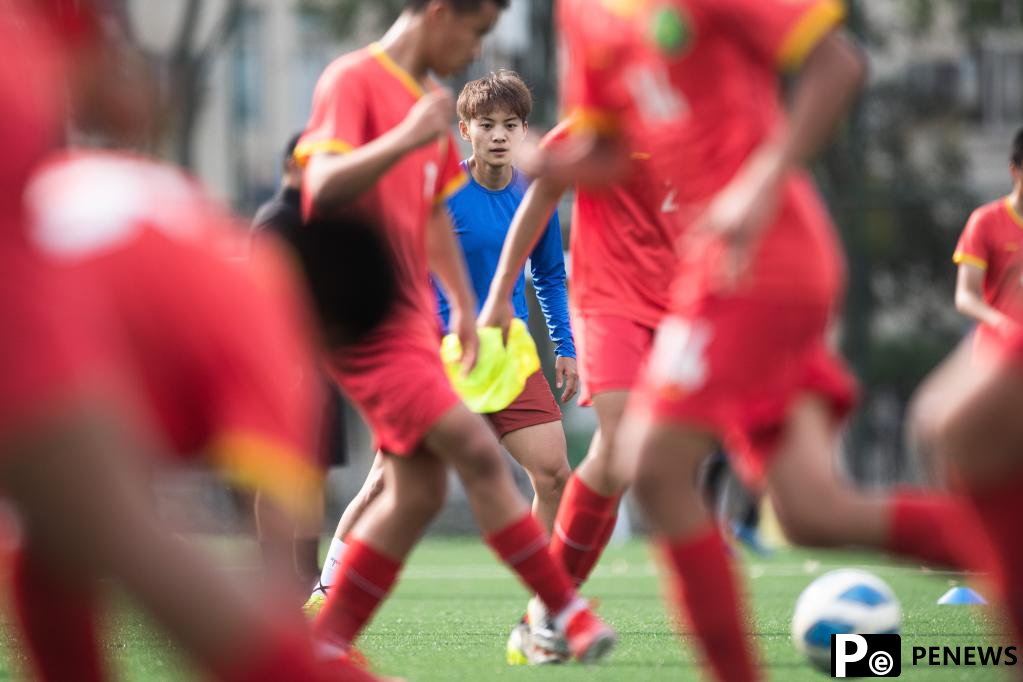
x=988, y=213
x=348, y=67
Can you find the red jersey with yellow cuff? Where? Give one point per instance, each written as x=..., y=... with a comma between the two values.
x=992, y=241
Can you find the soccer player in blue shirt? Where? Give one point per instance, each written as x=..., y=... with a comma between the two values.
x=493, y=113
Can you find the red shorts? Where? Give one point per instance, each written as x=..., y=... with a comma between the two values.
x=397, y=382
x=734, y=366
x=535, y=405
x=611, y=352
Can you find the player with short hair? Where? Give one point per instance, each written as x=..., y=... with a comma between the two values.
x=378, y=141
x=742, y=356
x=494, y=117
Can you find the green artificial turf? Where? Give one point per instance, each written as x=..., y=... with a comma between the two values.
x=453, y=608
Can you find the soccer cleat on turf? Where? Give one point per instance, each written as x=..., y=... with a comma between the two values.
x=515, y=650
x=316, y=600
x=589, y=638
x=522, y=650
x=543, y=634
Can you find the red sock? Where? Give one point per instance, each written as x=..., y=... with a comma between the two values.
x=999, y=509
x=937, y=529
x=58, y=624
x=589, y=562
x=365, y=577
x=523, y=546
x=288, y=658
x=708, y=593
x=581, y=528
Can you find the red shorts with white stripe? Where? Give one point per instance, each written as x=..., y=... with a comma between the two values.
x=734, y=366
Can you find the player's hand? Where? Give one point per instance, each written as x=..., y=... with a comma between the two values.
x=496, y=313
x=735, y=218
x=429, y=118
x=464, y=326
x=566, y=374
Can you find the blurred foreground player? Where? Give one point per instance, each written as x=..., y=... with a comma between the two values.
x=742, y=358
x=622, y=264
x=378, y=140
x=78, y=426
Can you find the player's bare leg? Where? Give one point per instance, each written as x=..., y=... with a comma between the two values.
x=703, y=580
x=370, y=490
x=583, y=525
x=983, y=435
x=84, y=508
x=414, y=491
x=543, y=453
x=388, y=530
x=816, y=507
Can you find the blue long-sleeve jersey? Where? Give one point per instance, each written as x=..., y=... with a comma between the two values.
x=481, y=219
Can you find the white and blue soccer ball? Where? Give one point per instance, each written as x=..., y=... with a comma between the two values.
x=846, y=601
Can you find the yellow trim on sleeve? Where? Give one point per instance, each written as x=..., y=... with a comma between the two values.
x=257, y=462
x=808, y=31
x=309, y=149
x=453, y=187
x=392, y=67
x=640, y=156
x=960, y=258
x=1013, y=213
x=596, y=120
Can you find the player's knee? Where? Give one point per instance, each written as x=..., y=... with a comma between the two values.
x=424, y=501
x=550, y=479
x=480, y=459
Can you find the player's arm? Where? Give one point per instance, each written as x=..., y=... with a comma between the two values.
x=448, y=265
x=970, y=297
x=547, y=262
x=531, y=217
x=335, y=179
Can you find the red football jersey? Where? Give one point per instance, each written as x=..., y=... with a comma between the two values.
x=698, y=79
x=992, y=241
x=359, y=97
x=48, y=354
x=30, y=99
x=622, y=252
x=218, y=344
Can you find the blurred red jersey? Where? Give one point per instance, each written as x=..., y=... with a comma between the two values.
x=698, y=81
x=30, y=99
x=623, y=258
x=47, y=355
x=219, y=345
x=394, y=376
x=992, y=241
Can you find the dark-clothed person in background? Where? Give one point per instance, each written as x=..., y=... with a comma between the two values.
x=282, y=214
